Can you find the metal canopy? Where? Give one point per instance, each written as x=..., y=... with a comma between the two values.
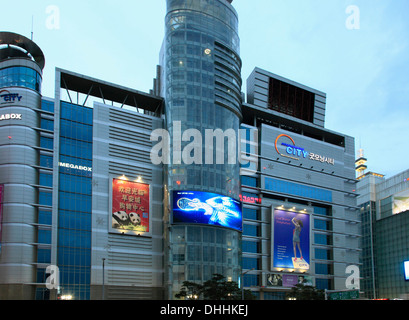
x=14, y=39
x=108, y=91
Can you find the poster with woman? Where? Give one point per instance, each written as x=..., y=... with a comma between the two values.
x=291, y=240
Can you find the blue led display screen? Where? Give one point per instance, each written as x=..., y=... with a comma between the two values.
x=206, y=208
x=406, y=266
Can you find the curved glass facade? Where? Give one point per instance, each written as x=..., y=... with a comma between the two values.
x=201, y=252
x=202, y=90
x=20, y=77
x=203, y=86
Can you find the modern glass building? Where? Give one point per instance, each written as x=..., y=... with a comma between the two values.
x=384, y=210
x=25, y=184
x=201, y=84
x=87, y=212
x=297, y=170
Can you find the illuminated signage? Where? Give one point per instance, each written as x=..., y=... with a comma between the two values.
x=288, y=280
x=206, y=208
x=250, y=199
x=11, y=116
x=406, y=267
x=290, y=240
x=130, y=207
x=74, y=166
x=6, y=96
x=296, y=152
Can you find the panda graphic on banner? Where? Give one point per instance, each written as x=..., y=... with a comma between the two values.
x=130, y=206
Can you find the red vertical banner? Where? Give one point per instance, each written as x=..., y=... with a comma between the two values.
x=130, y=206
x=1, y=212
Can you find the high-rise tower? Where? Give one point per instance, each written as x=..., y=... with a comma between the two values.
x=201, y=84
x=21, y=65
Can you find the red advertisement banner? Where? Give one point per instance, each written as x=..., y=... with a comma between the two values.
x=130, y=206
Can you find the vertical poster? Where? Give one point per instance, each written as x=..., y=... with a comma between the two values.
x=130, y=207
x=1, y=212
x=291, y=240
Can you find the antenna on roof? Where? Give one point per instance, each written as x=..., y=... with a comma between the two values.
x=32, y=27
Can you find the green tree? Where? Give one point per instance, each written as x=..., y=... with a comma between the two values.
x=303, y=292
x=217, y=288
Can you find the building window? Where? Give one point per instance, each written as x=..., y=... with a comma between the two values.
x=47, y=105
x=46, y=179
x=322, y=211
x=20, y=77
x=322, y=224
x=323, y=284
x=250, y=263
x=45, y=198
x=251, y=230
x=47, y=143
x=322, y=239
x=321, y=268
x=46, y=161
x=249, y=181
x=252, y=214
x=322, y=254
x=250, y=246
x=297, y=189
x=250, y=280
x=47, y=124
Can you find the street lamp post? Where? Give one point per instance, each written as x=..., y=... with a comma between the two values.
x=242, y=282
x=103, y=278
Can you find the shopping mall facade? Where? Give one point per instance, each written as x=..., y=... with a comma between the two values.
x=88, y=211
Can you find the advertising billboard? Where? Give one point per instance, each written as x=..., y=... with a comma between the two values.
x=406, y=267
x=130, y=207
x=1, y=212
x=400, y=202
x=290, y=240
x=287, y=280
x=198, y=207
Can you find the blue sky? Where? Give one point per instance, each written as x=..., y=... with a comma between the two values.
x=364, y=72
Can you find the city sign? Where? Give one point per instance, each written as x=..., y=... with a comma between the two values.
x=295, y=152
x=6, y=96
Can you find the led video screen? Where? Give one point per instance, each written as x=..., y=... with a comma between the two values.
x=206, y=208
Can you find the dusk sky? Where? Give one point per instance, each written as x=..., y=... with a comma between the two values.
x=358, y=57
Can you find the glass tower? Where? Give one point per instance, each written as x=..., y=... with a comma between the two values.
x=23, y=183
x=201, y=85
